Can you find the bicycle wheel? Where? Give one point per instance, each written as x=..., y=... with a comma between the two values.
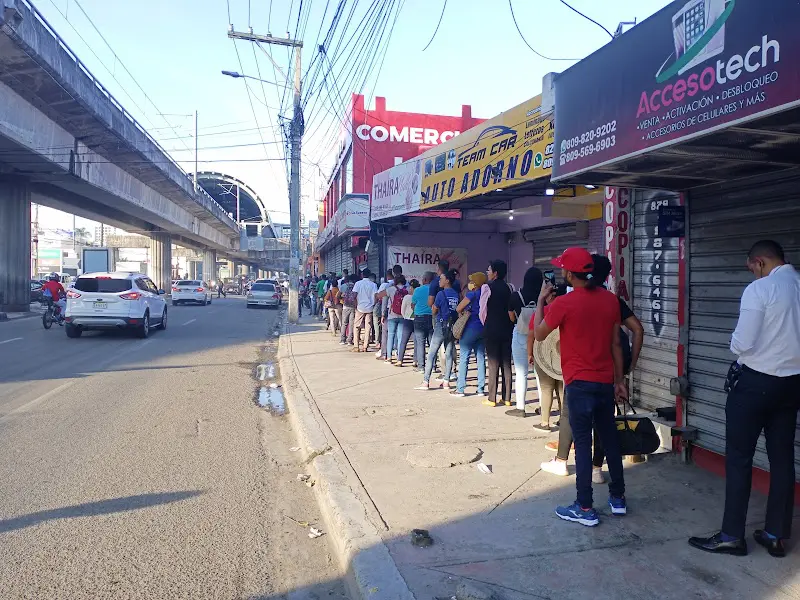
x=47, y=319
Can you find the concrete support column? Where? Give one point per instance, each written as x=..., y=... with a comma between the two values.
x=245, y=269
x=236, y=265
x=15, y=245
x=210, y=266
x=160, y=267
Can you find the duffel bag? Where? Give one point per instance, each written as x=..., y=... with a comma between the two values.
x=636, y=433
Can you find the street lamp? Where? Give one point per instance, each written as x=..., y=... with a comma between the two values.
x=237, y=75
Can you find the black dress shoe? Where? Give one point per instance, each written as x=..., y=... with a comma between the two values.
x=773, y=545
x=716, y=545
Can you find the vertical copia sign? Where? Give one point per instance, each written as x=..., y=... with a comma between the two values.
x=618, y=235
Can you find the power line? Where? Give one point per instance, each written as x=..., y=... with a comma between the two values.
x=250, y=99
x=435, y=31
x=526, y=41
x=122, y=64
x=587, y=18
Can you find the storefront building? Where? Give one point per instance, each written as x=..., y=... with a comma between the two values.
x=701, y=102
x=484, y=195
x=374, y=141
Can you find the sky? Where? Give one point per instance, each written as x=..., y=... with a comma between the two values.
x=162, y=60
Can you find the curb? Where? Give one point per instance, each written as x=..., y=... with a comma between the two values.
x=371, y=571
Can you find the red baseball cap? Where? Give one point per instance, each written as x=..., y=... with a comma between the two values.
x=577, y=260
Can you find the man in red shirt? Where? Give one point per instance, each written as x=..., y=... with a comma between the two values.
x=56, y=292
x=592, y=364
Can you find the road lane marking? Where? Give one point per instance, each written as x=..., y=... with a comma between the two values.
x=190, y=321
x=11, y=340
x=42, y=398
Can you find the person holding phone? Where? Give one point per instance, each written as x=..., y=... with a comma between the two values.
x=592, y=365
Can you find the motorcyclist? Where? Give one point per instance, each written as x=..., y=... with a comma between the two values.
x=56, y=291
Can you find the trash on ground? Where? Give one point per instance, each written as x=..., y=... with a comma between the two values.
x=301, y=523
x=302, y=477
x=310, y=482
x=274, y=385
x=294, y=449
x=421, y=538
x=485, y=468
x=314, y=533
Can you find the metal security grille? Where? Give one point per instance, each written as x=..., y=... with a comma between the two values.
x=549, y=242
x=374, y=256
x=655, y=300
x=725, y=220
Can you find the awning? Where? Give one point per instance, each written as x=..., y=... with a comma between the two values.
x=702, y=92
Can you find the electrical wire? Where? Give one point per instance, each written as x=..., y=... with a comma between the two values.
x=435, y=31
x=250, y=99
x=587, y=18
x=539, y=54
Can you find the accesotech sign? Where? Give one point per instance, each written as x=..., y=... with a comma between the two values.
x=691, y=68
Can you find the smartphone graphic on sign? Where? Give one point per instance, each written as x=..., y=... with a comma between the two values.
x=690, y=23
x=550, y=276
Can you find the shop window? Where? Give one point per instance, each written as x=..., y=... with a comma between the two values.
x=349, y=173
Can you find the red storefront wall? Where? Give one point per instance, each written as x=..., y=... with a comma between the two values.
x=380, y=138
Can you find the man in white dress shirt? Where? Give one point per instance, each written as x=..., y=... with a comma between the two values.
x=765, y=397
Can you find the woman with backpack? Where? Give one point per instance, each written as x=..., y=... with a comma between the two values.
x=407, y=328
x=521, y=307
x=394, y=320
x=443, y=310
x=471, y=337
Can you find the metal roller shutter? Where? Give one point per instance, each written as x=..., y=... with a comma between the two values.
x=374, y=256
x=725, y=220
x=549, y=242
x=655, y=300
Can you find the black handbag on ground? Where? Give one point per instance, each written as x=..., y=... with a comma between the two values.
x=636, y=433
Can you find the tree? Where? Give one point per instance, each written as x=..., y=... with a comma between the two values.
x=81, y=235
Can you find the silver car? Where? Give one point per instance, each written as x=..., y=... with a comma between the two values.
x=263, y=294
x=190, y=290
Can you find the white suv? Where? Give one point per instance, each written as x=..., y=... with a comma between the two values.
x=115, y=301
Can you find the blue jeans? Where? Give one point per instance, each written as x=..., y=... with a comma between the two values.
x=449, y=352
x=519, y=352
x=394, y=332
x=472, y=339
x=423, y=329
x=404, y=333
x=593, y=403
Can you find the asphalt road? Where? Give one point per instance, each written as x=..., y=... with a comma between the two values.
x=144, y=469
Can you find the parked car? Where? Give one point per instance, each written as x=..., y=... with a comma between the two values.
x=274, y=282
x=115, y=301
x=263, y=294
x=190, y=290
x=231, y=286
x=36, y=290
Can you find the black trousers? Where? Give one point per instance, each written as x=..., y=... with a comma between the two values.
x=498, y=355
x=760, y=402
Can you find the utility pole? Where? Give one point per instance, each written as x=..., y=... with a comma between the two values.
x=296, y=129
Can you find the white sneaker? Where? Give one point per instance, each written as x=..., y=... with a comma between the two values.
x=597, y=475
x=556, y=467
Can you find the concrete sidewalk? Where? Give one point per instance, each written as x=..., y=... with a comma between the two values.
x=390, y=459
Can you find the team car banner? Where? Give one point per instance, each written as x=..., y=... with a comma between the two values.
x=514, y=147
x=692, y=68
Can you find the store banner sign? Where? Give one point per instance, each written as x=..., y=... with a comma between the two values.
x=415, y=260
x=395, y=191
x=514, y=146
x=618, y=234
x=692, y=68
x=352, y=214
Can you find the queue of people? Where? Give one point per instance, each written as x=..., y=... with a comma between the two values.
x=579, y=341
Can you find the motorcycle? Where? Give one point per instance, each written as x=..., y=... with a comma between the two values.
x=52, y=313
